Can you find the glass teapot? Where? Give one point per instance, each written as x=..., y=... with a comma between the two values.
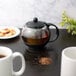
x=36, y=34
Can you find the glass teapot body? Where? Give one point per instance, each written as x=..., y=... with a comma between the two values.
x=36, y=34
x=36, y=37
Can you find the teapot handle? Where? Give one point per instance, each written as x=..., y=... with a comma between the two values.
x=57, y=31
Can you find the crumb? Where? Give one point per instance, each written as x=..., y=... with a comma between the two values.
x=45, y=60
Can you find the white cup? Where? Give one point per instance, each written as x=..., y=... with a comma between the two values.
x=6, y=62
x=68, y=62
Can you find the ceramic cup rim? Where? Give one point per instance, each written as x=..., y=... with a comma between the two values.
x=69, y=50
x=6, y=51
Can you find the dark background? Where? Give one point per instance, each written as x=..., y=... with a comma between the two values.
x=52, y=50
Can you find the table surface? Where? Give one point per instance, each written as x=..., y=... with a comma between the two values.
x=52, y=51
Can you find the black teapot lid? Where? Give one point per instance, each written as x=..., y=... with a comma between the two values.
x=35, y=24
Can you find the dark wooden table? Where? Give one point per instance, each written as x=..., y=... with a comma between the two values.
x=52, y=51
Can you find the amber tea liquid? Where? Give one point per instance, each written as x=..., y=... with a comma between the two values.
x=32, y=41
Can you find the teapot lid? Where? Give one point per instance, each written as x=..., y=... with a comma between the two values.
x=35, y=24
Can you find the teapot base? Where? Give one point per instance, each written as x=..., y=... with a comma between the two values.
x=36, y=49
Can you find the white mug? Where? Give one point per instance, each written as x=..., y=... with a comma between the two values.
x=68, y=62
x=6, y=62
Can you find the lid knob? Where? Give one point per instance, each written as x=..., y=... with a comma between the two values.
x=35, y=20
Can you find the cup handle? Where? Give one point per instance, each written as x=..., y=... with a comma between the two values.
x=20, y=72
